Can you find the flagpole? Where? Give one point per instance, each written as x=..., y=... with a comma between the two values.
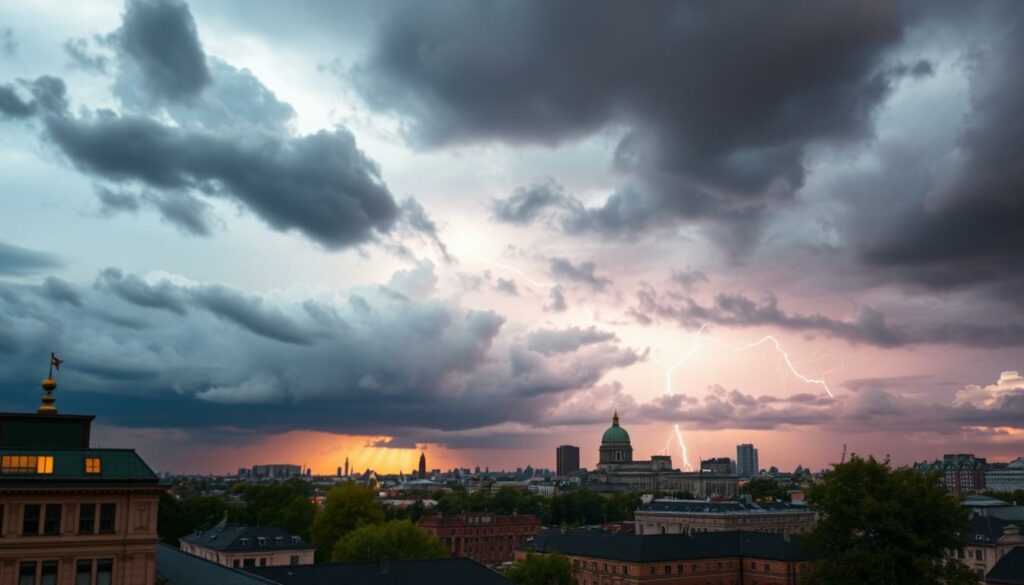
x=51, y=365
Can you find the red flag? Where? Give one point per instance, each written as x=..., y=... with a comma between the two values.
x=55, y=362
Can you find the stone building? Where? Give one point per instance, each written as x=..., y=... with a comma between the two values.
x=486, y=538
x=667, y=516
x=70, y=513
x=616, y=467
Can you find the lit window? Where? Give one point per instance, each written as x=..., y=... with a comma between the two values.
x=26, y=464
x=92, y=464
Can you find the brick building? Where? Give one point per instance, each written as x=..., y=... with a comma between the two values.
x=71, y=514
x=708, y=558
x=489, y=539
x=668, y=516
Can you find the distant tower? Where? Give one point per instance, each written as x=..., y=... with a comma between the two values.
x=747, y=464
x=346, y=467
x=423, y=466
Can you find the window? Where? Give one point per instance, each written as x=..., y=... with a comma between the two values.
x=27, y=573
x=244, y=541
x=294, y=559
x=295, y=540
x=92, y=464
x=48, y=574
x=278, y=540
x=104, y=570
x=262, y=540
x=86, y=518
x=51, y=521
x=263, y=561
x=14, y=464
x=236, y=563
x=249, y=563
x=979, y=554
x=108, y=513
x=30, y=519
x=83, y=572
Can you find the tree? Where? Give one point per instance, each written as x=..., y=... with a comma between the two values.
x=762, y=488
x=176, y=519
x=885, y=526
x=550, y=569
x=348, y=507
x=397, y=539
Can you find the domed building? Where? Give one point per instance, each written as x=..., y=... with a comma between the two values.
x=616, y=470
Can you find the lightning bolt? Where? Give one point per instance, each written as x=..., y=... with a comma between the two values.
x=785, y=357
x=686, y=357
x=513, y=270
x=682, y=447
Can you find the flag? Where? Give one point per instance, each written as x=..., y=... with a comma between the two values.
x=55, y=362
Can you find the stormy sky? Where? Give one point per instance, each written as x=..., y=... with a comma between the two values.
x=268, y=232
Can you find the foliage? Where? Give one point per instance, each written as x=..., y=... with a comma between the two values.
x=348, y=507
x=763, y=488
x=551, y=569
x=176, y=519
x=884, y=526
x=397, y=540
x=285, y=505
x=586, y=507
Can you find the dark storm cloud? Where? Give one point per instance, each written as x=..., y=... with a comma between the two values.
x=160, y=38
x=321, y=184
x=870, y=325
x=371, y=361
x=689, y=279
x=552, y=341
x=230, y=139
x=582, y=273
x=138, y=292
x=527, y=203
x=15, y=260
x=81, y=55
x=717, y=128
x=60, y=290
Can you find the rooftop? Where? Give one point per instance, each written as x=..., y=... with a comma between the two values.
x=235, y=538
x=1009, y=569
x=94, y=466
x=667, y=547
x=174, y=567
x=426, y=572
x=728, y=507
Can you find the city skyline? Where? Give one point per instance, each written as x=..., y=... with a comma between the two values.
x=368, y=230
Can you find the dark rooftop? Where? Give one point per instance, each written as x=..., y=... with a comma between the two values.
x=174, y=567
x=667, y=547
x=426, y=572
x=722, y=507
x=1009, y=569
x=234, y=537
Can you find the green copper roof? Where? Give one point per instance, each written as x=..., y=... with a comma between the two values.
x=116, y=465
x=615, y=434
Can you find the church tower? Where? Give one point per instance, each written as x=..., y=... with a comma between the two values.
x=423, y=466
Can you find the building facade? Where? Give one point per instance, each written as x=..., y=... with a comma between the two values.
x=567, y=460
x=719, y=558
x=667, y=516
x=71, y=514
x=719, y=465
x=962, y=473
x=489, y=539
x=617, y=470
x=1006, y=478
x=245, y=547
x=747, y=464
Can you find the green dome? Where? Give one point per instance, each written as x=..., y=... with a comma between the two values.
x=615, y=434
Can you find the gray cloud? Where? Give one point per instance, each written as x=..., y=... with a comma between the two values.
x=159, y=37
x=552, y=341
x=60, y=290
x=507, y=286
x=869, y=326
x=15, y=260
x=82, y=55
x=582, y=273
x=558, y=304
x=369, y=361
x=716, y=130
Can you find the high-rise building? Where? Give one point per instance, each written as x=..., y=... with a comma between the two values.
x=423, y=466
x=567, y=460
x=346, y=467
x=746, y=460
